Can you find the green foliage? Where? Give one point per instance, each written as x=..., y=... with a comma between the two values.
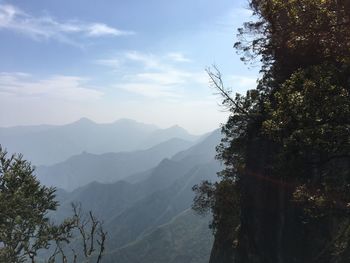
x=25, y=227
x=311, y=109
x=296, y=33
x=302, y=103
x=309, y=118
x=294, y=128
x=204, y=198
x=24, y=204
x=221, y=199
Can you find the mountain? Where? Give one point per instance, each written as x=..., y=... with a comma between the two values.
x=148, y=220
x=158, y=207
x=85, y=168
x=164, y=134
x=185, y=238
x=203, y=150
x=48, y=144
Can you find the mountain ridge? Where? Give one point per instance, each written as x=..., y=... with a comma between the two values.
x=84, y=168
x=50, y=144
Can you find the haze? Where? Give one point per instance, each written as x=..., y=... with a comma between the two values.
x=64, y=60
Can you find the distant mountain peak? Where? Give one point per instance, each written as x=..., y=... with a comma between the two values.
x=51, y=144
x=125, y=120
x=84, y=120
x=177, y=130
x=176, y=126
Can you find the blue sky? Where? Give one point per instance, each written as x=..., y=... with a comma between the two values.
x=145, y=60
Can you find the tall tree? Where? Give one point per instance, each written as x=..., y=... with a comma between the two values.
x=287, y=143
x=25, y=227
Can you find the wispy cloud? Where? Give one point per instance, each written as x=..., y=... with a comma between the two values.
x=154, y=75
x=70, y=88
x=149, y=90
x=162, y=76
x=148, y=60
x=170, y=83
x=46, y=27
x=166, y=77
x=178, y=57
x=113, y=63
x=98, y=29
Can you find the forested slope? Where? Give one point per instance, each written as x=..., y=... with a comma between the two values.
x=284, y=194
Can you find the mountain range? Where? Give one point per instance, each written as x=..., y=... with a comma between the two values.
x=86, y=167
x=135, y=177
x=149, y=219
x=49, y=144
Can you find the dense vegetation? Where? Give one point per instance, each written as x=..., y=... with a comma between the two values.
x=284, y=195
x=26, y=228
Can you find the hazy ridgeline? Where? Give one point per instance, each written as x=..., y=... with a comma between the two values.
x=142, y=193
x=283, y=190
x=47, y=144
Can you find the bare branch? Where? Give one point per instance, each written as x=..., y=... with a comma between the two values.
x=91, y=233
x=102, y=234
x=94, y=224
x=217, y=83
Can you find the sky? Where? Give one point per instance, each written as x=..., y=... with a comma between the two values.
x=62, y=60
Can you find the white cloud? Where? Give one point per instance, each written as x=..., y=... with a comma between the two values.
x=99, y=29
x=171, y=76
x=70, y=88
x=169, y=83
x=167, y=77
x=163, y=77
x=151, y=90
x=178, y=57
x=148, y=60
x=155, y=75
x=46, y=27
x=114, y=63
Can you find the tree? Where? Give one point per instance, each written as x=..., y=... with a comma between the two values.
x=92, y=238
x=287, y=142
x=25, y=227
x=304, y=95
